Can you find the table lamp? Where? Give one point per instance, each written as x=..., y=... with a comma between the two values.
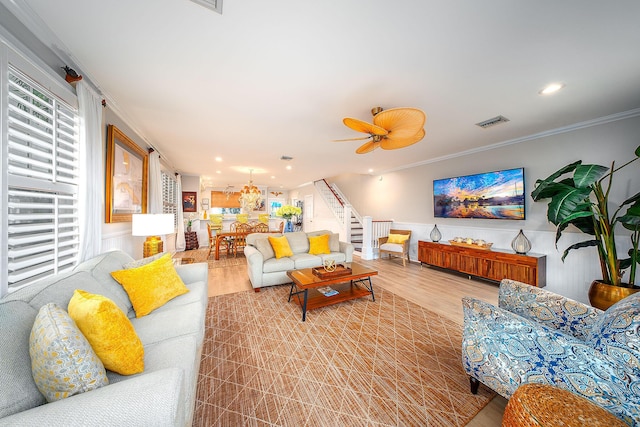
x=152, y=226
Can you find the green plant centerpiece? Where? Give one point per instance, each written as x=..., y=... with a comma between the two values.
x=288, y=211
x=579, y=196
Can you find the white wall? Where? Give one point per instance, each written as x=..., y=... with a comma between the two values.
x=406, y=196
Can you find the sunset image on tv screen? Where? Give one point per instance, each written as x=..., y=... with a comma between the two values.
x=490, y=195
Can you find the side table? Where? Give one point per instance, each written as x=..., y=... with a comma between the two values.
x=191, y=238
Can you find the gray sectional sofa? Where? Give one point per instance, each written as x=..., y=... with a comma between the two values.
x=266, y=270
x=172, y=335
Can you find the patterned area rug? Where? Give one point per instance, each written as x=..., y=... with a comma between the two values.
x=201, y=255
x=357, y=363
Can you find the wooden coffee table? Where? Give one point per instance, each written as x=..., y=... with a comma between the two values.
x=355, y=284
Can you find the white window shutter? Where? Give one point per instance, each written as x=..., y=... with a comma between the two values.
x=42, y=167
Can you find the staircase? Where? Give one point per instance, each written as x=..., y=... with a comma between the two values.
x=343, y=211
x=356, y=233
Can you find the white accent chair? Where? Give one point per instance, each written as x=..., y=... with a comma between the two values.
x=399, y=247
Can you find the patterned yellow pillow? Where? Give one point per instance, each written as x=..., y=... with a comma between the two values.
x=397, y=238
x=280, y=246
x=62, y=360
x=319, y=244
x=152, y=285
x=109, y=331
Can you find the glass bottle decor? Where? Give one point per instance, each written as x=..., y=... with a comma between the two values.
x=435, y=234
x=521, y=244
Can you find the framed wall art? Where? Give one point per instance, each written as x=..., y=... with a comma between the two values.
x=189, y=201
x=126, y=181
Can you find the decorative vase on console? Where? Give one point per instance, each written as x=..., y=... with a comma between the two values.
x=435, y=234
x=520, y=244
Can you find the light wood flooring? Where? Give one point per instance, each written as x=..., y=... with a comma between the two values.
x=437, y=290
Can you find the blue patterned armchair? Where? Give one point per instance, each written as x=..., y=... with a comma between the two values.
x=536, y=336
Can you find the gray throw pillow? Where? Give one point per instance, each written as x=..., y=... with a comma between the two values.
x=334, y=242
x=265, y=248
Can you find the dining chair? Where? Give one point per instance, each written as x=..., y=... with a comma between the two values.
x=263, y=218
x=224, y=243
x=240, y=238
x=216, y=222
x=244, y=218
x=260, y=228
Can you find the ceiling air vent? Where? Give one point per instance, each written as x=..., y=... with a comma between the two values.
x=492, y=122
x=215, y=5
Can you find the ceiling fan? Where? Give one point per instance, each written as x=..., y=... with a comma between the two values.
x=391, y=129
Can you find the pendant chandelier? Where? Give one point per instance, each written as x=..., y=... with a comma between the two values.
x=228, y=191
x=250, y=196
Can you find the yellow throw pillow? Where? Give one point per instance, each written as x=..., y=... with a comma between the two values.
x=319, y=244
x=109, y=331
x=280, y=246
x=152, y=285
x=397, y=238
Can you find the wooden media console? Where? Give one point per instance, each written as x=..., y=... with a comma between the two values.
x=494, y=264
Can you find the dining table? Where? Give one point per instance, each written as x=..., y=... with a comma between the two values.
x=231, y=236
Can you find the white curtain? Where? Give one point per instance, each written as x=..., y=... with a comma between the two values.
x=92, y=171
x=181, y=243
x=155, y=183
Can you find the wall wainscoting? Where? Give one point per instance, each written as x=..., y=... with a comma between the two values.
x=570, y=278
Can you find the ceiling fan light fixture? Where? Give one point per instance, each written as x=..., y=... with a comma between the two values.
x=391, y=129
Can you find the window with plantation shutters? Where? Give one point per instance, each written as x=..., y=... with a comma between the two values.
x=170, y=196
x=41, y=164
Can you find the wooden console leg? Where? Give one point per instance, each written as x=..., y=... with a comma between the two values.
x=256, y=289
x=474, y=385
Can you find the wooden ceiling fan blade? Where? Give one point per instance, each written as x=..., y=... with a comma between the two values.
x=352, y=139
x=402, y=122
x=368, y=147
x=361, y=126
x=390, y=143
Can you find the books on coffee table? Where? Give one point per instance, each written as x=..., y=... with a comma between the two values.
x=327, y=291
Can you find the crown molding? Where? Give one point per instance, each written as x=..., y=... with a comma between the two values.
x=557, y=131
x=40, y=30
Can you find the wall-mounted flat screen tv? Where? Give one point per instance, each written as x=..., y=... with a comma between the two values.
x=489, y=195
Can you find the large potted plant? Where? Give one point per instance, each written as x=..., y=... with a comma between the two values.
x=579, y=196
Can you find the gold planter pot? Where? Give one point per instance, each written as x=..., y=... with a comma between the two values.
x=603, y=295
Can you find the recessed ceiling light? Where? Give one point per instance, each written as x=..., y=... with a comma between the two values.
x=218, y=171
x=288, y=167
x=370, y=170
x=273, y=177
x=551, y=88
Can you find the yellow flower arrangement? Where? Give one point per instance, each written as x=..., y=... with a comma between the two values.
x=287, y=211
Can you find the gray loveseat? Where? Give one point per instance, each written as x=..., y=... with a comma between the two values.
x=266, y=270
x=172, y=335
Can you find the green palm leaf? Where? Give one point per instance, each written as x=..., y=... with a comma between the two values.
x=567, y=201
x=541, y=190
x=585, y=175
x=579, y=245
